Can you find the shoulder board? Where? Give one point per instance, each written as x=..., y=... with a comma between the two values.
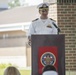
x=35, y=20
x=51, y=19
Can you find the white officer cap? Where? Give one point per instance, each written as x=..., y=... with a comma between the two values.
x=43, y=5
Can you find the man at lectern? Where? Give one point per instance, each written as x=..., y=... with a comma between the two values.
x=43, y=24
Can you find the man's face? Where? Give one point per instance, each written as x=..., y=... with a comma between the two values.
x=44, y=11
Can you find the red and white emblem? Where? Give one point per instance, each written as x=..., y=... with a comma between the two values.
x=48, y=58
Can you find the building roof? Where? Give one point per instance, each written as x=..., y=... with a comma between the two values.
x=19, y=15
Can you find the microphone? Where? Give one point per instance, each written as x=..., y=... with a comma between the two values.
x=56, y=27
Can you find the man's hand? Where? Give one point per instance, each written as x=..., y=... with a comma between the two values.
x=29, y=40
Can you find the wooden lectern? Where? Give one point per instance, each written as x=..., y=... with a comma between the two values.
x=48, y=49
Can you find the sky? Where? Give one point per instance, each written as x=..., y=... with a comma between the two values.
x=31, y=2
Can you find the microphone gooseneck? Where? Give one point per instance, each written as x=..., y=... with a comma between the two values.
x=56, y=27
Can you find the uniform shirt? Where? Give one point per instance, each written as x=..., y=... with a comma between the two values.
x=50, y=73
x=42, y=26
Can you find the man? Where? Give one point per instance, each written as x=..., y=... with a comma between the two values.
x=49, y=70
x=42, y=25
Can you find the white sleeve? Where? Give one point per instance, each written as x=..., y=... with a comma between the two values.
x=31, y=30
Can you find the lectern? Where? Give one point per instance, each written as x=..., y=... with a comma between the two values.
x=48, y=49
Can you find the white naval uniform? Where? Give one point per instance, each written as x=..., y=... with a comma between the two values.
x=50, y=73
x=40, y=26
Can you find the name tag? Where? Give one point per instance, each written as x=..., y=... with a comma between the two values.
x=49, y=26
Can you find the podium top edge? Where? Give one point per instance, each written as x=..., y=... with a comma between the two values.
x=48, y=35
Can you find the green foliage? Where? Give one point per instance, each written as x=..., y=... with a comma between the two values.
x=23, y=72
x=14, y=3
x=3, y=65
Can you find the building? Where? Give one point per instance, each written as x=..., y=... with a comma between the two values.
x=14, y=25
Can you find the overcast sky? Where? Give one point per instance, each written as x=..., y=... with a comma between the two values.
x=32, y=2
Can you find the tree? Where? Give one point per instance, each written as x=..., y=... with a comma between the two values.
x=13, y=3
